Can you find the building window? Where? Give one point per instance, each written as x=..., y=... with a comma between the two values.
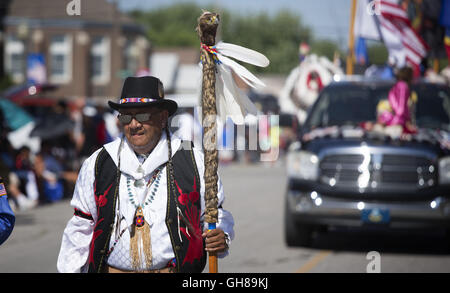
x=100, y=60
x=131, y=55
x=61, y=59
x=15, y=58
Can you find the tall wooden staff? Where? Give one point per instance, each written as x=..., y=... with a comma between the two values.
x=351, y=40
x=207, y=28
x=231, y=101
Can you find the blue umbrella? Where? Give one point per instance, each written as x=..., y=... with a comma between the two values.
x=15, y=117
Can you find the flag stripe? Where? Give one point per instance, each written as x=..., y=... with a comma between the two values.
x=393, y=9
x=410, y=51
x=394, y=28
x=409, y=37
x=390, y=13
x=2, y=190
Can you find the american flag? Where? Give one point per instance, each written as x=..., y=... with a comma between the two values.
x=2, y=189
x=389, y=23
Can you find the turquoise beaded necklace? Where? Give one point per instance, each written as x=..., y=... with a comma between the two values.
x=153, y=182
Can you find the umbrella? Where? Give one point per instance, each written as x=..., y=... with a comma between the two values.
x=15, y=117
x=52, y=126
x=21, y=92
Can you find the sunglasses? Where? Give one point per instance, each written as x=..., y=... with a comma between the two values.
x=141, y=117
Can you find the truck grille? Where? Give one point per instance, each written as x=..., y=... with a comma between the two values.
x=378, y=171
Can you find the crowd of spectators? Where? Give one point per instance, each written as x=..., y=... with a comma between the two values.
x=40, y=177
x=69, y=132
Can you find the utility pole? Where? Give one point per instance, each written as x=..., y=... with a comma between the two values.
x=351, y=40
x=116, y=47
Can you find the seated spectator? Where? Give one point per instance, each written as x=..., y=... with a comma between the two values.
x=55, y=164
x=50, y=186
x=21, y=201
x=17, y=187
x=22, y=160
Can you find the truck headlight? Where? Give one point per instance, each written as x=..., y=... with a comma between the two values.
x=444, y=170
x=303, y=165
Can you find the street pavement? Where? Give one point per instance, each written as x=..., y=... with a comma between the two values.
x=255, y=196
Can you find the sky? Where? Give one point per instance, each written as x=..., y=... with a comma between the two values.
x=329, y=19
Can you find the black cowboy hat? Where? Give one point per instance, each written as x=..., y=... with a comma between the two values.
x=140, y=92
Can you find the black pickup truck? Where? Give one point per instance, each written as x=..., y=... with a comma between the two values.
x=341, y=173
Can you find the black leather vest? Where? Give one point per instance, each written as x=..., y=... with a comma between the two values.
x=182, y=214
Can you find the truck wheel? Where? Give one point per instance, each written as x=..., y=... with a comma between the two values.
x=296, y=234
x=447, y=239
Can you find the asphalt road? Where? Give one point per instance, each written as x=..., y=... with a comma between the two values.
x=255, y=197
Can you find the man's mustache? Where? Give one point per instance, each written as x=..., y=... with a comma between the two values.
x=135, y=130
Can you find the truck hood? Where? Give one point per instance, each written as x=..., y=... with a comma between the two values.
x=435, y=141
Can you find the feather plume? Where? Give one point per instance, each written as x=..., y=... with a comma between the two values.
x=241, y=71
x=242, y=54
x=231, y=100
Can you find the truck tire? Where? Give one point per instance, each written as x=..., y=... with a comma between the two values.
x=447, y=239
x=296, y=234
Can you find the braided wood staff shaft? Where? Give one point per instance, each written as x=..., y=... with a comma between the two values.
x=207, y=26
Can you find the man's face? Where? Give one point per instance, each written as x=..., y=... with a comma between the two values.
x=144, y=135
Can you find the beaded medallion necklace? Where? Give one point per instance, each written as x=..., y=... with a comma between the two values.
x=140, y=233
x=153, y=182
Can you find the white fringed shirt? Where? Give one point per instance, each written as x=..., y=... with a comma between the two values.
x=77, y=236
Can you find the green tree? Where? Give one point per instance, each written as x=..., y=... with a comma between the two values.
x=5, y=82
x=278, y=36
x=172, y=26
x=377, y=53
x=325, y=48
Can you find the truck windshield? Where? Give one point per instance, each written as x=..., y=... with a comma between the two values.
x=352, y=105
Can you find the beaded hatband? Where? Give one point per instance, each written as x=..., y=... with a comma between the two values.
x=136, y=100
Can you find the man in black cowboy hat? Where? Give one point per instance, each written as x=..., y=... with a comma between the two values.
x=139, y=201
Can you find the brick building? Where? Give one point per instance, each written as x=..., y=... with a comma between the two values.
x=86, y=55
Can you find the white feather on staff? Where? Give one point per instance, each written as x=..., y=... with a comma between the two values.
x=243, y=54
x=231, y=100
